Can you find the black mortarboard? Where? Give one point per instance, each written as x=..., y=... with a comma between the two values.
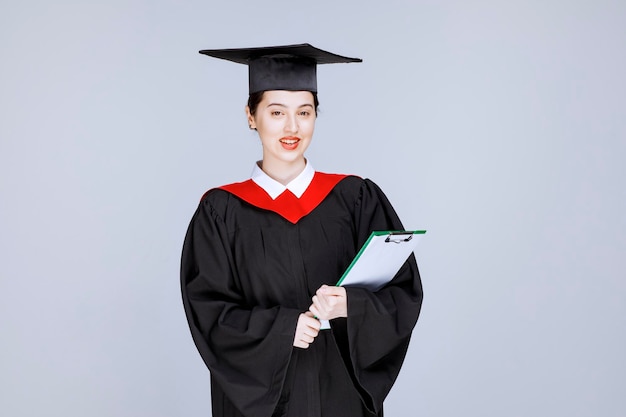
x=288, y=67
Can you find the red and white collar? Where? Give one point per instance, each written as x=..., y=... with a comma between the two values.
x=287, y=204
x=274, y=188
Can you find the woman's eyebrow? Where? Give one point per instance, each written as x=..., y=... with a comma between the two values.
x=284, y=105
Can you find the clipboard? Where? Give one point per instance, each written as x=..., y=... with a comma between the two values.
x=379, y=260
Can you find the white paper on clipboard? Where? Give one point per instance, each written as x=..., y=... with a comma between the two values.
x=378, y=261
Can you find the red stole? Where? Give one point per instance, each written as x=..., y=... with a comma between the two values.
x=287, y=204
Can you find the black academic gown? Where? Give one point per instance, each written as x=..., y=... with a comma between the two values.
x=248, y=273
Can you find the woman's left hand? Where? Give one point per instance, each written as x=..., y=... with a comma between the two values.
x=329, y=303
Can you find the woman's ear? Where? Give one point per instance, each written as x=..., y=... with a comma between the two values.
x=251, y=123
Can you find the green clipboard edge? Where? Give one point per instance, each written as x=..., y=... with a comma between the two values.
x=367, y=242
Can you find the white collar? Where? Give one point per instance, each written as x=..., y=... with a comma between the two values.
x=297, y=186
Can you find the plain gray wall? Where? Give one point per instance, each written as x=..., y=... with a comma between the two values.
x=498, y=126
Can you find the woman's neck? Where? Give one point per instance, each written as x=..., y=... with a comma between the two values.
x=283, y=172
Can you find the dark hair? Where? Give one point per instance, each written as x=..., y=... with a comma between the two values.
x=255, y=98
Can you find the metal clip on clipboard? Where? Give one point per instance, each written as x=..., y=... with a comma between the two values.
x=399, y=237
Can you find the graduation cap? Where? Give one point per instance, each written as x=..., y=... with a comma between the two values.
x=287, y=67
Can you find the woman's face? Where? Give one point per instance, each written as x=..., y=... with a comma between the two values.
x=285, y=121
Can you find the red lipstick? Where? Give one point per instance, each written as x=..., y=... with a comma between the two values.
x=289, y=142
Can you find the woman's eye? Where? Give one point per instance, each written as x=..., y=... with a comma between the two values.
x=305, y=113
x=276, y=113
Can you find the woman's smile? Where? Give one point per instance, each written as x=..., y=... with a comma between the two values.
x=289, y=143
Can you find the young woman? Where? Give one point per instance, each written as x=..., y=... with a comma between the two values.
x=261, y=258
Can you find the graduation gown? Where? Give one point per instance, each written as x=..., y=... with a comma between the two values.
x=250, y=266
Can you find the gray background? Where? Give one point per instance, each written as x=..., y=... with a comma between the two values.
x=498, y=126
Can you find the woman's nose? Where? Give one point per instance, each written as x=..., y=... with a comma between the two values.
x=291, y=124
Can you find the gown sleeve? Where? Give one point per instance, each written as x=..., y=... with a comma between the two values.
x=231, y=336
x=374, y=338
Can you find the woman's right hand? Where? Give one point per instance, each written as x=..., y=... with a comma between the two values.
x=307, y=329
